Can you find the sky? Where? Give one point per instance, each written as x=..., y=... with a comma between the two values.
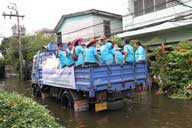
x=46, y=13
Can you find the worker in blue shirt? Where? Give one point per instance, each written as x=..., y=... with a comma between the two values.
x=103, y=40
x=107, y=54
x=118, y=54
x=90, y=54
x=79, y=50
x=69, y=53
x=61, y=55
x=140, y=55
x=129, y=52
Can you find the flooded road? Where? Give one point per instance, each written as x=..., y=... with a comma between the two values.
x=143, y=111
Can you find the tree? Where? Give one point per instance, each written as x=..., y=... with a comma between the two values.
x=31, y=44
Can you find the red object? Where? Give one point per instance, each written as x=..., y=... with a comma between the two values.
x=75, y=42
x=92, y=41
x=74, y=57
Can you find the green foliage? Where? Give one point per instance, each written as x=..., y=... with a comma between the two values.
x=30, y=44
x=185, y=44
x=20, y=112
x=33, y=43
x=174, y=69
x=117, y=40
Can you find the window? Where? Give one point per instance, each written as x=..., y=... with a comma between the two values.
x=149, y=6
x=171, y=3
x=138, y=7
x=142, y=7
x=160, y=4
x=59, y=37
x=107, y=28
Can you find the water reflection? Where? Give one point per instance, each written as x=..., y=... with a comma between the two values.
x=143, y=111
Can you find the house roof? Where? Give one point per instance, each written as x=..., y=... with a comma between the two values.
x=92, y=11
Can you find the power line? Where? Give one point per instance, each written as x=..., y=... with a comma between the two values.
x=150, y=7
x=160, y=18
x=115, y=20
x=179, y=18
x=181, y=3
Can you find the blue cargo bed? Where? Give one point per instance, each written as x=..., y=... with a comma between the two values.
x=110, y=77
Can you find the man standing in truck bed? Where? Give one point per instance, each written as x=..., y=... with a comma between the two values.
x=61, y=55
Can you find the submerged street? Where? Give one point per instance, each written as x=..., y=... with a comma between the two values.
x=142, y=111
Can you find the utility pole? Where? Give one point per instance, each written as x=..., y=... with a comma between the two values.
x=13, y=7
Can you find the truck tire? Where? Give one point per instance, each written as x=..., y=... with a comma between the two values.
x=36, y=91
x=115, y=105
x=67, y=100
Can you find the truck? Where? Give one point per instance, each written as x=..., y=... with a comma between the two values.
x=85, y=88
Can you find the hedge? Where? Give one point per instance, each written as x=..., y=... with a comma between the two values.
x=20, y=112
x=174, y=69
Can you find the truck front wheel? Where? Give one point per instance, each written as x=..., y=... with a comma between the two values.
x=36, y=91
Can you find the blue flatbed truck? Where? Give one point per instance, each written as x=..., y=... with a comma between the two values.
x=83, y=88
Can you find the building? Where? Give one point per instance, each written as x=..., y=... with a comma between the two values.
x=45, y=32
x=157, y=21
x=87, y=24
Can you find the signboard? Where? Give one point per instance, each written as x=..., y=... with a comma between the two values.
x=55, y=76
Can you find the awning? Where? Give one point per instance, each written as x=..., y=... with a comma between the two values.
x=157, y=28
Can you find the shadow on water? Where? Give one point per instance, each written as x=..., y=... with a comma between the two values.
x=143, y=111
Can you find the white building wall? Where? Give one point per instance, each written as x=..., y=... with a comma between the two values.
x=176, y=35
x=115, y=25
x=85, y=27
x=74, y=27
x=131, y=22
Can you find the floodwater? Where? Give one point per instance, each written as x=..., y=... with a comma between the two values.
x=143, y=111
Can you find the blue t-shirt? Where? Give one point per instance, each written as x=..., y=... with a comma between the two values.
x=101, y=51
x=79, y=53
x=107, y=54
x=90, y=54
x=69, y=57
x=140, y=54
x=129, y=49
x=119, y=56
x=62, y=58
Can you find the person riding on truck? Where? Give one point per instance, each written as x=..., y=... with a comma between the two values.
x=69, y=53
x=79, y=50
x=129, y=52
x=103, y=40
x=118, y=54
x=140, y=55
x=61, y=55
x=107, y=53
x=90, y=55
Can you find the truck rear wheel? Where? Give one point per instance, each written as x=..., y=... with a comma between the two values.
x=115, y=105
x=67, y=100
x=36, y=91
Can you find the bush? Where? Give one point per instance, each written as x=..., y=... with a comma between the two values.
x=174, y=69
x=20, y=112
